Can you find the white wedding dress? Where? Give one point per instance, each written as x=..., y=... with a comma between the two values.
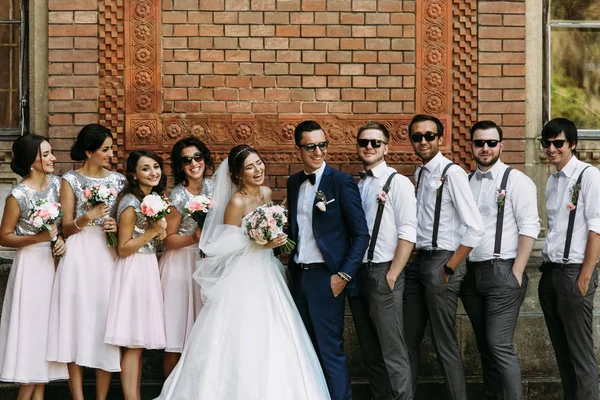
x=249, y=342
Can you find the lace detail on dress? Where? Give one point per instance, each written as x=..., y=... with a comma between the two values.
x=180, y=196
x=27, y=197
x=142, y=224
x=78, y=182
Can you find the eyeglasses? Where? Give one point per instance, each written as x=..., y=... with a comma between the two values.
x=558, y=143
x=490, y=143
x=418, y=137
x=187, y=160
x=310, y=147
x=375, y=143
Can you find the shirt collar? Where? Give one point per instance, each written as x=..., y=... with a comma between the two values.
x=379, y=169
x=319, y=172
x=434, y=162
x=569, y=169
x=495, y=170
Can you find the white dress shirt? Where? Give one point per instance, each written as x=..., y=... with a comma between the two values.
x=308, y=250
x=460, y=221
x=520, y=210
x=587, y=217
x=399, y=219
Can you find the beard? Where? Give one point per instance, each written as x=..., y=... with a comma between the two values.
x=489, y=163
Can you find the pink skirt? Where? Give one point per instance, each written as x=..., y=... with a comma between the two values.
x=80, y=303
x=24, y=326
x=181, y=294
x=136, y=312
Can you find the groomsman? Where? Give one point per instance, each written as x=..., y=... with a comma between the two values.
x=449, y=226
x=390, y=207
x=569, y=275
x=328, y=224
x=495, y=285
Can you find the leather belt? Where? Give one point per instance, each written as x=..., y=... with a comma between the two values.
x=313, y=265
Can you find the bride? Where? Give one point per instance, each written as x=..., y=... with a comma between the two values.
x=249, y=342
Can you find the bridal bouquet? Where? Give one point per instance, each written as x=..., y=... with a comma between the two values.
x=102, y=194
x=265, y=223
x=44, y=215
x=155, y=206
x=198, y=207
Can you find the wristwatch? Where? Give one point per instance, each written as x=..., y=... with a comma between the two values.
x=448, y=270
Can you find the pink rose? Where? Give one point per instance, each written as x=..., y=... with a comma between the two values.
x=571, y=206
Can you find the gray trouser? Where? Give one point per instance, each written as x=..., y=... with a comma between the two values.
x=428, y=297
x=381, y=325
x=492, y=298
x=569, y=317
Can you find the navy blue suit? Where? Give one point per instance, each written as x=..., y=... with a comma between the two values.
x=342, y=236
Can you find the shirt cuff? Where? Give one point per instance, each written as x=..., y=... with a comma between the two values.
x=408, y=233
x=594, y=225
x=471, y=241
x=531, y=232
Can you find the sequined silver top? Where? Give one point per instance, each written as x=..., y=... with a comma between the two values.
x=180, y=196
x=27, y=197
x=142, y=223
x=79, y=182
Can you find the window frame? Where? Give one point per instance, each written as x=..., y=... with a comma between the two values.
x=13, y=133
x=547, y=101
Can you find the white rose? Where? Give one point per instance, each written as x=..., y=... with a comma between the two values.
x=103, y=192
x=321, y=206
x=38, y=222
x=53, y=211
x=154, y=202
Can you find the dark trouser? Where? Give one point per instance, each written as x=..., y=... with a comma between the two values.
x=323, y=316
x=492, y=298
x=428, y=297
x=378, y=317
x=569, y=317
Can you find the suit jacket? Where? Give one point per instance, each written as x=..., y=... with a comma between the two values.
x=341, y=230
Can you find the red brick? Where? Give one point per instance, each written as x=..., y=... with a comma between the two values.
x=490, y=45
x=60, y=43
x=264, y=30
x=239, y=107
x=389, y=81
x=199, y=17
x=504, y=107
x=187, y=106
x=226, y=94
x=352, y=18
x=513, y=70
x=226, y=69
x=277, y=94
x=60, y=94
x=73, y=30
x=352, y=69
x=200, y=68
x=327, y=18
x=364, y=107
x=289, y=81
x=209, y=30
x=390, y=57
x=353, y=94
x=289, y=56
x=403, y=44
x=314, y=56
x=237, y=81
x=211, y=5
x=314, y=5
x=225, y=18
x=251, y=69
x=339, y=31
x=302, y=95
x=175, y=94
x=390, y=107
x=175, y=68
x=314, y=108
x=276, y=69
x=71, y=5
x=513, y=45
x=69, y=106
x=86, y=17
x=402, y=95
x=364, y=81
x=225, y=43
x=264, y=108
x=377, y=69
x=377, y=19
x=212, y=81
x=490, y=20
x=402, y=19
x=251, y=43
x=302, y=69
x=352, y=44
x=364, y=31
x=87, y=93
x=402, y=69
x=339, y=81
x=85, y=119
x=502, y=58
x=303, y=44
x=237, y=30
x=314, y=81
x=289, y=107
x=60, y=17
x=252, y=94
x=327, y=69
x=263, y=5
x=389, y=5
x=185, y=30
x=378, y=94
x=501, y=7
x=490, y=95
x=339, y=108
x=186, y=81
x=73, y=81
x=186, y=55
x=237, y=55
x=327, y=44
x=174, y=17
x=60, y=69
x=313, y=31
x=200, y=42
x=212, y=106
x=514, y=95
x=378, y=44
x=250, y=18
x=200, y=94
x=514, y=20
x=501, y=33
x=60, y=119
x=262, y=56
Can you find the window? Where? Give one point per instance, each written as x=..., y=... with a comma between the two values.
x=13, y=68
x=572, y=59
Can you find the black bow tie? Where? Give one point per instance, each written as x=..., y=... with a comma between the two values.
x=311, y=177
x=364, y=174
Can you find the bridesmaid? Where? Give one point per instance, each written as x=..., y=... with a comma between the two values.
x=135, y=315
x=24, y=326
x=190, y=157
x=82, y=286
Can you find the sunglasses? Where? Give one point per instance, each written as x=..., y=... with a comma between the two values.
x=375, y=143
x=559, y=143
x=310, y=147
x=490, y=143
x=187, y=160
x=418, y=137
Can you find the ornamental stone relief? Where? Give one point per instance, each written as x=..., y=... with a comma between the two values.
x=131, y=89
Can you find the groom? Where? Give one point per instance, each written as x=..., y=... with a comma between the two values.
x=328, y=224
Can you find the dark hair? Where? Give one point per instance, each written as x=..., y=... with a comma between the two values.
x=425, y=117
x=133, y=186
x=178, y=173
x=25, y=150
x=554, y=127
x=236, y=159
x=374, y=125
x=485, y=124
x=89, y=138
x=305, y=126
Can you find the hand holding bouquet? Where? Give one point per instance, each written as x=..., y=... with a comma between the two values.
x=155, y=207
x=198, y=207
x=44, y=215
x=102, y=194
x=266, y=223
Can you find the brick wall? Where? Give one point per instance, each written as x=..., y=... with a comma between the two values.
x=292, y=56
x=502, y=91
x=72, y=72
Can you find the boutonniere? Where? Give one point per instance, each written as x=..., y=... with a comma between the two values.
x=382, y=197
x=438, y=184
x=500, y=199
x=575, y=189
x=321, y=201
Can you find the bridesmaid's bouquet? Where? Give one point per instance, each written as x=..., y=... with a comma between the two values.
x=44, y=215
x=198, y=207
x=102, y=194
x=265, y=223
x=155, y=206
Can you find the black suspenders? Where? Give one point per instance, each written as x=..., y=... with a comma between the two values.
x=438, y=207
x=571, y=224
x=378, y=217
x=500, y=214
